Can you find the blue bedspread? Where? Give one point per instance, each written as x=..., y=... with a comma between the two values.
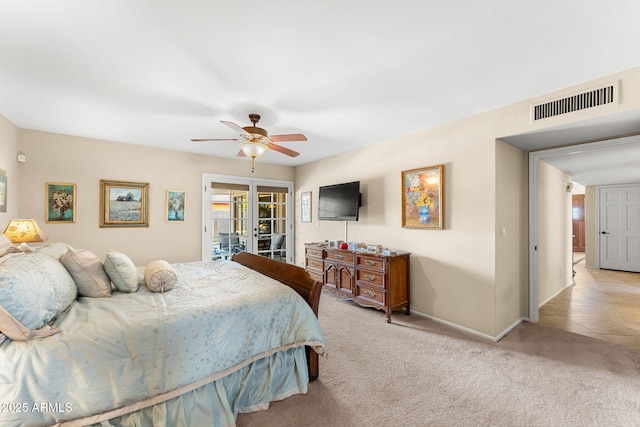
x=147, y=347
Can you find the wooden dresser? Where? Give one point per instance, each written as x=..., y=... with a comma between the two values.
x=369, y=279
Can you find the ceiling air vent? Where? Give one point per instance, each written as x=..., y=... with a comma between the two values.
x=607, y=94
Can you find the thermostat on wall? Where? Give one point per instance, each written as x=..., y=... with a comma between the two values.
x=22, y=158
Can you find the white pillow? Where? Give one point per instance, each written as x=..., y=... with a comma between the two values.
x=87, y=271
x=5, y=244
x=56, y=250
x=122, y=271
x=160, y=276
x=34, y=288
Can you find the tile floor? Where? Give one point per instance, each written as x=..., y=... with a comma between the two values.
x=603, y=304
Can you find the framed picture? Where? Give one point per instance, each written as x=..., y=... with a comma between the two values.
x=422, y=202
x=3, y=191
x=60, y=202
x=124, y=204
x=305, y=206
x=175, y=205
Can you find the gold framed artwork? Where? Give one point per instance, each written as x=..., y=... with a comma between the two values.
x=175, y=205
x=124, y=204
x=422, y=198
x=305, y=206
x=60, y=202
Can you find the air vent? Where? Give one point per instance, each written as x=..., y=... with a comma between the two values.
x=604, y=95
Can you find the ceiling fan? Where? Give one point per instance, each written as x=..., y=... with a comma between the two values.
x=255, y=141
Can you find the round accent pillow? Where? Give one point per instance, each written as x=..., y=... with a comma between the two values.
x=160, y=276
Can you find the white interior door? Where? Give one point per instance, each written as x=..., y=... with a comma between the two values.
x=619, y=227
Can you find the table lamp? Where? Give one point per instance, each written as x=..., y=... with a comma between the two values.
x=24, y=231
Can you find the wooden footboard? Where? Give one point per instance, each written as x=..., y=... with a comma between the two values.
x=296, y=278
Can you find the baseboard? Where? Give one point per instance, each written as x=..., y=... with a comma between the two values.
x=556, y=294
x=471, y=331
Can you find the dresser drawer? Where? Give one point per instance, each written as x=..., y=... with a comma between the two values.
x=313, y=252
x=372, y=278
x=315, y=264
x=370, y=294
x=371, y=262
x=342, y=256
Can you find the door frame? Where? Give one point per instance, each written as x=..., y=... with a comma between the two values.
x=534, y=158
x=208, y=178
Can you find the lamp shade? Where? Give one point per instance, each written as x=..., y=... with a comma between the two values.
x=253, y=149
x=24, y=231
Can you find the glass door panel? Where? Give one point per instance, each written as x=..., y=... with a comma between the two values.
x=271, y=233
x=229, y=219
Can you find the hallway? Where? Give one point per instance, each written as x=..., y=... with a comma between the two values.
x=603, y=304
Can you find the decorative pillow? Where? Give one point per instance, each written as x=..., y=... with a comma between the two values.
x=160, y=276
x=122, y=271
x=5, y=244
x=34, y=288
x=56, y=250
x=87, y=270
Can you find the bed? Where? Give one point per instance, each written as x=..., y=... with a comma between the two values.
x=226, y=338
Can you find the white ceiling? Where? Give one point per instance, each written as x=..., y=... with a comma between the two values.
x=345, y=73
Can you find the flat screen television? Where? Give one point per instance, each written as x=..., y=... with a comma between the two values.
x=339, y=202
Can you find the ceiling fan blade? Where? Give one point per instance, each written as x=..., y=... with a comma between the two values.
x=291, y=137
x=214, y=139
x=283, y=150
x=234, y=126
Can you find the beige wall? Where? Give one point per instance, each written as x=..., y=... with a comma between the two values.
x=590, y=227
x=512, y=210
x=555, y=229
x=83, y=161
x=10, y=167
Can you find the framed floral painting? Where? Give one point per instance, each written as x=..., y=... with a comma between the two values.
x=60, y=203
x=422, y=201
x=176, y=200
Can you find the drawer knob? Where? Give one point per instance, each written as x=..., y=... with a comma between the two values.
x=371, y=294
x=370, y=261
x=339, y=256
x=370, y=277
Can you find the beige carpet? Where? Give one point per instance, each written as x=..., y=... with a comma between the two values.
x=417, y=372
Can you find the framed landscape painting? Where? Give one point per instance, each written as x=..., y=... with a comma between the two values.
x=422, y=201
x=60, y=203
x=175, y=205
x=124, y=204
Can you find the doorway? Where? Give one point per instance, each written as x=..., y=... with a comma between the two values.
x=241, y=214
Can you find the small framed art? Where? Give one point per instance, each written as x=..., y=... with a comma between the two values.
x=305, y=206
x=60, y=202
x=3, y=191
x=124, y=204
x=175, y=205
x=422, y=201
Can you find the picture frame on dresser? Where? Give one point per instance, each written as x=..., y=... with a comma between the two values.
x=423, y=198
x=124, y=204
x=60, y=203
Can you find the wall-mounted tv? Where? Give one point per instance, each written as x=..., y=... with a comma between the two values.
x=339, y=202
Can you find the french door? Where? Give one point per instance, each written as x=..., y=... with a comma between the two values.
x=241, y=214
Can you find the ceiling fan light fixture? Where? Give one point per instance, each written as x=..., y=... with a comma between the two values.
x=253, y=149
